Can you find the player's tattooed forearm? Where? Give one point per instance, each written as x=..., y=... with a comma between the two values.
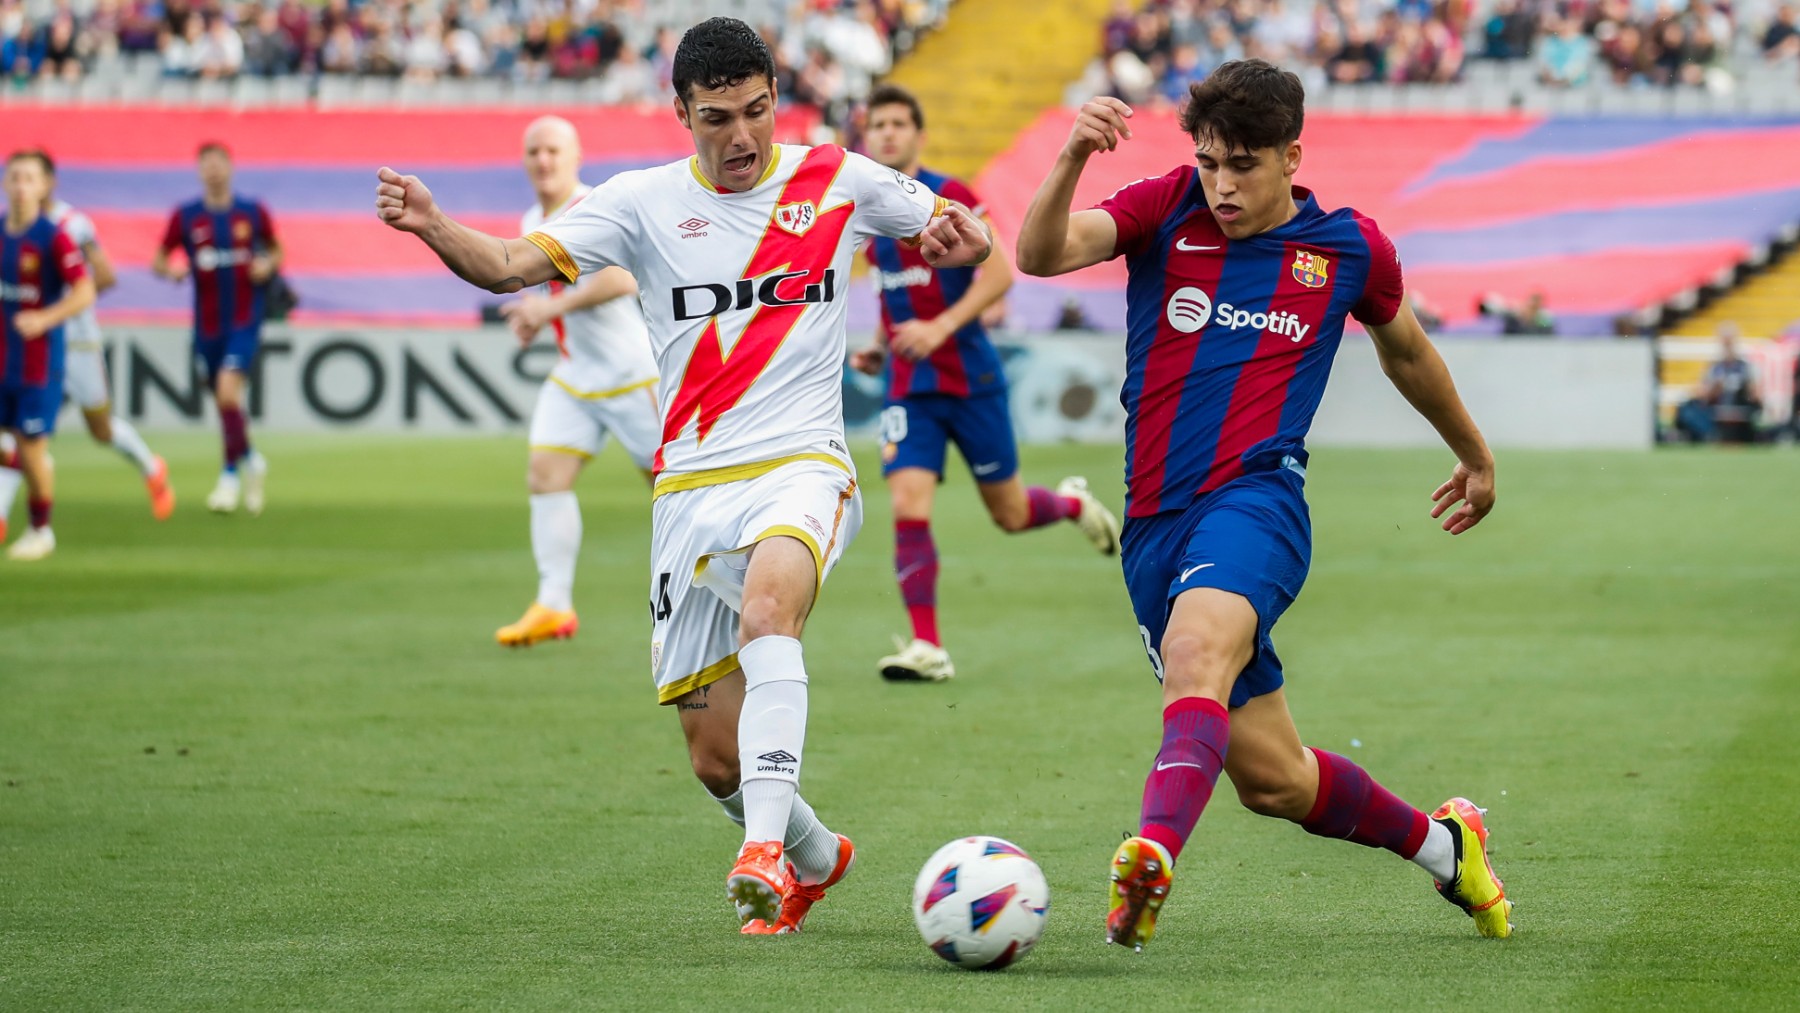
x=697, y=705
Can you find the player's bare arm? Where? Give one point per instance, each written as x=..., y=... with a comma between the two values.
x=501, y=266
x=264, y=265
x=36, y=323
x=917, y=339
x=868, y=361
x=163, y=267
x=1053, y=241
x=955, y=238
x=1412, y=363
x=100, y=267
x=530, y=313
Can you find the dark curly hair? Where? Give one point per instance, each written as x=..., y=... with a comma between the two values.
x=1248, y=103
x=720, y=53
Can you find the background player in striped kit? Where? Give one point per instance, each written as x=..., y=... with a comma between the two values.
x=944, y=384
x=1239, y=289
x=232, y=253
x=43, y=284
x=84, y=379
x=604, y=382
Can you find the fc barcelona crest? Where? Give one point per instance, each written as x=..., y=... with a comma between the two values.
x=1311, y=269
x=28, y=262
x=240, y=230
x=797, y=218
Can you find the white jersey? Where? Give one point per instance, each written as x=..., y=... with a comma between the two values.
x=605, y=348
x=745, y=294
x=82, y=331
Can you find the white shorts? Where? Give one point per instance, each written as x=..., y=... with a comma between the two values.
x=699, y=551
x=565, y=422
x=84, y=378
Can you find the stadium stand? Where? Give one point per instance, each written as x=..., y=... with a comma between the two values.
x=1607, y=217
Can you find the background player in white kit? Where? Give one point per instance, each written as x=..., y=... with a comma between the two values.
x=84, y=364
x=604, y=381
x=743, y=253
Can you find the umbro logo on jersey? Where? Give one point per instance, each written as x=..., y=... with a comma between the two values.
x=1182, y=244
x=693, y=227
x=780, y=756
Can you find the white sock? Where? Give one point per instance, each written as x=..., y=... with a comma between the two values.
x=1438, y=854
x=556, y=542
x=771, y=734
x=127, y=441
x=808, y=844
x=812, y=848
x=732, y=804
x=10, y=480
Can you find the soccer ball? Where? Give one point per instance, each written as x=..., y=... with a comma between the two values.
x=980, y=903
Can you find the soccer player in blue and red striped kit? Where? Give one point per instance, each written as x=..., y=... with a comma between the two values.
x=1239, y=288
x=43, y=283
x=944, y=385
x=231, y=253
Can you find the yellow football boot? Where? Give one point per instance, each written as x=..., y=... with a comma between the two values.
x=1141, y=874
x=536, y=625
x=1475, y=889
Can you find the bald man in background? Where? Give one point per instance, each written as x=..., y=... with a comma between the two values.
x=604, y=382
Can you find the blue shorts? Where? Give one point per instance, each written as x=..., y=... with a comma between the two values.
x=236, y=350
x=916, y=432
x=1252, y=536
x=31, y=410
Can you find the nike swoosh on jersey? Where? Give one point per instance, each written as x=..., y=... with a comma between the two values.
x=1182, y=244
x=1194, y=570
x=986, y=469
x=1160, y=765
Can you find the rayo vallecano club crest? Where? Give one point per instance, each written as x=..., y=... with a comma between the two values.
x=1311, y=269
x=797, y=218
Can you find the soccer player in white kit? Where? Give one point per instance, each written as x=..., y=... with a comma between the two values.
x=84, y=365
x=604, y=381
x=743, y=253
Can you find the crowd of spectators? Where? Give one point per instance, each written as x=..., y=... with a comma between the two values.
x=827, y=51
x=1153, y=51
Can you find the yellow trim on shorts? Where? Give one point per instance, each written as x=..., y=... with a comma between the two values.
x=601, y=395
x=736, y=473
x=559, y=257
x=805, y=536
x=705, y=677
x=552, y=448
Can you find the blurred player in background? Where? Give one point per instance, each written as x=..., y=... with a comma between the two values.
x=231, y=252
x=604, y=381
x=44, y=284
x=746, y=247
x=84, y=379
x=944, y=384
x=1239, y=288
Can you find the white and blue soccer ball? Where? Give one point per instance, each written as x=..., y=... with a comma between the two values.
x=981, y=903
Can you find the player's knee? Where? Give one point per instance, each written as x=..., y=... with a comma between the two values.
x=716, y=769
x=765, y=615
x=99, y=425
x=1011, y=518
x=1269, y=793
x=1197, y=664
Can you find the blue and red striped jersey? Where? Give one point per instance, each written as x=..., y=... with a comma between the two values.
x=966, y=364
x=1230, y=341
x=37, y=266
x=219, y=247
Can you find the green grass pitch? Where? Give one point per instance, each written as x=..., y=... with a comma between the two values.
x=279, y=762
